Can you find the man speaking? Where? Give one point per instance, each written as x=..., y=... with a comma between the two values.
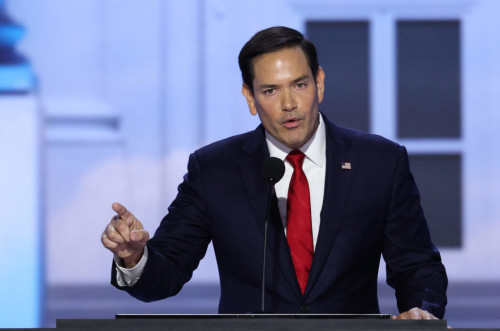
x=345, y=199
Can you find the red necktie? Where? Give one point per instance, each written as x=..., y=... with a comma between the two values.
x=299, y=228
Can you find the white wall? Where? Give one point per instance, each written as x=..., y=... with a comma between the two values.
x=20, y=212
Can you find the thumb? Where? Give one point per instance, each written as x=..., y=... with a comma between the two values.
x=140, y=236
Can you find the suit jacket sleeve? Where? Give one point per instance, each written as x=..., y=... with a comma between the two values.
x=178, y=245
x=414, y=267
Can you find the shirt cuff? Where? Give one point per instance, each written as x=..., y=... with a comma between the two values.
x=128, y=277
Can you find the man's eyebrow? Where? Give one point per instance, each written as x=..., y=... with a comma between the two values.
x=303, y=77
x=295, y=81
x=266, y=86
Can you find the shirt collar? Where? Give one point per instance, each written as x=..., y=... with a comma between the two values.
x=314, y=148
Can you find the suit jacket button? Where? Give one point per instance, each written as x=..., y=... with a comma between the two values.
x=305, y=308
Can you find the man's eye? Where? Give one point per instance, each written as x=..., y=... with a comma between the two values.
x=269, y=91
x=301, y=85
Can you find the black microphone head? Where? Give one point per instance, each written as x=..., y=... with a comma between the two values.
x=273, y=170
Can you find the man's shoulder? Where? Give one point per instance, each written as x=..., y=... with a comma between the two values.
x=353, y=138
x=375, y=150
x=229, y=148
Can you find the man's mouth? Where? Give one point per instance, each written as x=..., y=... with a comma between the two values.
x=291, y=122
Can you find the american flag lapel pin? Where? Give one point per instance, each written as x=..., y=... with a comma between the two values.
x=346, y=165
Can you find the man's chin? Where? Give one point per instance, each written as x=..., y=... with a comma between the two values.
x=294, y=144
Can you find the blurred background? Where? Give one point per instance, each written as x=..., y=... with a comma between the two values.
x=103, y=100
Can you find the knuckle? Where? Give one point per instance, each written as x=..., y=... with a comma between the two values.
x=121, y=225
x=109, y=228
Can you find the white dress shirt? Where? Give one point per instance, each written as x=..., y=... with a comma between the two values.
x=314, y=167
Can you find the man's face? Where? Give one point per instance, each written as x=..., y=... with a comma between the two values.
x=286, y=96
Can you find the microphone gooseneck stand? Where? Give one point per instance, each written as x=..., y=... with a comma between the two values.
x=273, y=170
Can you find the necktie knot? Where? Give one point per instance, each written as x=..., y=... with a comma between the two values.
x=296, y=158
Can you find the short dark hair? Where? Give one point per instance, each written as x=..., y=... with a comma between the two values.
x=271, y=40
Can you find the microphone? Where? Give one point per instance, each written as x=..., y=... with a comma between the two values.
x=272, y=170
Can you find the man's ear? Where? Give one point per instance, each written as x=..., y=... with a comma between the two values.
x=245, y=90
x=320, y=84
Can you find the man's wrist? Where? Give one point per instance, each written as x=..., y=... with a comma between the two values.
x=128, y=277
x=133, y=260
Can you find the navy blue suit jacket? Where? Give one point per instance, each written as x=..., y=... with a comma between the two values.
x=368, y=210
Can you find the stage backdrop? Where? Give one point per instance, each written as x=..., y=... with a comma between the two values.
x=125, y=90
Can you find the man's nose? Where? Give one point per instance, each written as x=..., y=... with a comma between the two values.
x=288, y=102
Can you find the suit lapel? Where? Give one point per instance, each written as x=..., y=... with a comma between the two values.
x=250, y=165
x=338, y=184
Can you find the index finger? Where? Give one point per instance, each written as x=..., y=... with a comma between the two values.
x=122, y=212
